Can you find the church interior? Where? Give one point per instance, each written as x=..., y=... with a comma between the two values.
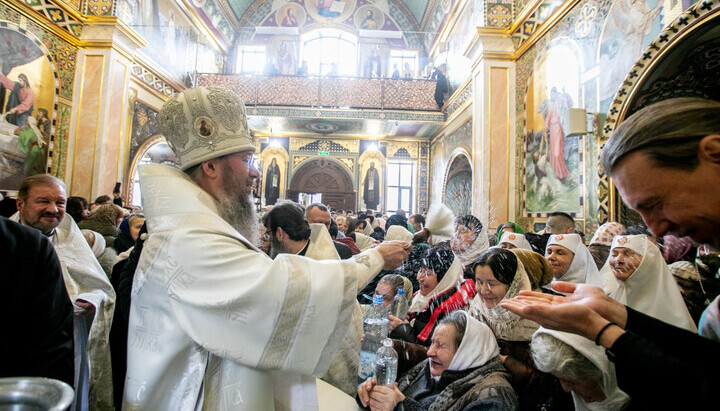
x=528, y=94
x=459, y=148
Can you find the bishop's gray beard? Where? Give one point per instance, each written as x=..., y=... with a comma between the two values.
x=240, y=213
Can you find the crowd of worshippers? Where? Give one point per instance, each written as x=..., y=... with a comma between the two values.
x=115, y=305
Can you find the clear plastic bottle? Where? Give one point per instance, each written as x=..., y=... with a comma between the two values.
x=399, y=306
x=375, y=329
x=386, y=364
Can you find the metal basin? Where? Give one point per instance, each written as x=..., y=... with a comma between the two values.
x=34, y=394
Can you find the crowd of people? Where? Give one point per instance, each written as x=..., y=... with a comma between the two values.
x=200, y=301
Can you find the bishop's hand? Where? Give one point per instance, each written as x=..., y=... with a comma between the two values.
x=393, y=253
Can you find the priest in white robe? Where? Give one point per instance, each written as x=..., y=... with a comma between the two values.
x=214, y=323
x=41, y=205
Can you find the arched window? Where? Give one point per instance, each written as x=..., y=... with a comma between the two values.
x=329, y=52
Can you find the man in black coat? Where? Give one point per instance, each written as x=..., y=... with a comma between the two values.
x=35, y=307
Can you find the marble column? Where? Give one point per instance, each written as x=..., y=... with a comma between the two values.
x=99, y=126
x=493, y=137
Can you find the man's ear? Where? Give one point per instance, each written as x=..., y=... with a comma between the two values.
x=280, y=235
x=710, y=148
x=211, y=168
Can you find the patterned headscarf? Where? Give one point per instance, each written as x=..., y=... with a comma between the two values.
x=107, y=215
x=537, y=267
x=606, y=232
x=676, y=248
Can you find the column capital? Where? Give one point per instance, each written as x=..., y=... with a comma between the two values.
x=111, y=32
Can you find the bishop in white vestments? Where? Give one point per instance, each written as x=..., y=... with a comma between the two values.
x=215, y=324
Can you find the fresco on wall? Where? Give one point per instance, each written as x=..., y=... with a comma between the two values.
x=552, y=162
x=144, y=126
x=27, y=97
x=458, y=188
x=460, y=138
x=330, y=10
x=629, y=27
x=369, y=17
x=291, y=15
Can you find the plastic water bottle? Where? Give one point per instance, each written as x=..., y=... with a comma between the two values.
x=399, y=306
x=386, y=364
x=375, y=329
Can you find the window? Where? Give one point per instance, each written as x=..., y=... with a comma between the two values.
x=399, y=58
x=250, y=60
x=400, y=186
x=329, y=52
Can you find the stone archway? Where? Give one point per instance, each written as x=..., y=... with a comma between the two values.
x=326, y=177
x=458, y=185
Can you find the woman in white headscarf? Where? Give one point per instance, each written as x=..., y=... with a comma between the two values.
x=469, y=240
x=571, y=260
x=500, y=275
x=442, y=290
x=463, y=372
x=582, y=367
x=643, y=281
x=512, y=240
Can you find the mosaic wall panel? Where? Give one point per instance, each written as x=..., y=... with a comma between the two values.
x=534, y=21
x=147, y=77
x=56, y=15
x=144, y=126
x=464, y=96
x=442, y=150
x=99, y=7
x=498, y=13
x=46, y=64
x=424, y=180
x=569, y=67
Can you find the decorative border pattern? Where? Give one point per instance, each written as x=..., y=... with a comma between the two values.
x=56, y=15
x=460, y=99
x=147, y=77
x=696, y=12
x=424, y=180
x=347, y=114
x=533, y=22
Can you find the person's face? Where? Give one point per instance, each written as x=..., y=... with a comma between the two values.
x=316, y=215
x=508, y=229
x=427, y=279
x=507, y=246
x=359, y=228
x=589, y=390
x=44, y=207
x=442, y=349
x=372, y=164
x=135, y=226
x=491, y=290
x=417, y=226
x=624, y=262
x=463, y=238
x=678, y=202
x=23, y=82
x=559, y=258
x=386, y=291
x=239, y=174
x=342, y=223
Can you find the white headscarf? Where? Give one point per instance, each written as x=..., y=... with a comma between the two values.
x=363, y=242
x=615, y=399
x=452, y=277
x=582, y=269
x=479, y=245
x=396, y=232
x=518, y=240
x=478, y=346
x=651, y=289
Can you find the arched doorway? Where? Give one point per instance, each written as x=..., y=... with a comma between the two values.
x=326, y=177
x=458, y=186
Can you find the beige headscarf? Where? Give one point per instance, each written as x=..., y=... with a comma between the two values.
x=537, y=267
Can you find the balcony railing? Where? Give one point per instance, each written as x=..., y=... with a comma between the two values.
x=327, y=91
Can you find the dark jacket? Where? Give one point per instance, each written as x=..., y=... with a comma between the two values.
x=483, y=388
x=653, y=358
x=343, y=250
x=35, y=308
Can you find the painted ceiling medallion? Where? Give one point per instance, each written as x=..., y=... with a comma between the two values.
x=322, y=128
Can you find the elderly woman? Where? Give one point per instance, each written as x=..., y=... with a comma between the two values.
x=643, y=281
x=499, y=275
x=463, y=372
x=510, y=240
x=442, y=290
x=582, y=367
x=570, y=259
x=129, y=232
x=469, y=240
x=600, y=243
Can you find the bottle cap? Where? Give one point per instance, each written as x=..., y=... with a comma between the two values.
x=387, y=342
x=401, y=291
x=377, y=299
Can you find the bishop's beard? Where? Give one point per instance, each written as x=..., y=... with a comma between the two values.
x=239, y=211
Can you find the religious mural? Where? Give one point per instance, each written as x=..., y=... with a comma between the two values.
x=274, y=160
x=28, y=97
x=369, y=17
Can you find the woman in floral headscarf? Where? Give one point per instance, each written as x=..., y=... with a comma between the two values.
x=600, y=243
x=104, y=221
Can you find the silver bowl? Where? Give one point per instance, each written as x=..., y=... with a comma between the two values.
x=34, y=394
